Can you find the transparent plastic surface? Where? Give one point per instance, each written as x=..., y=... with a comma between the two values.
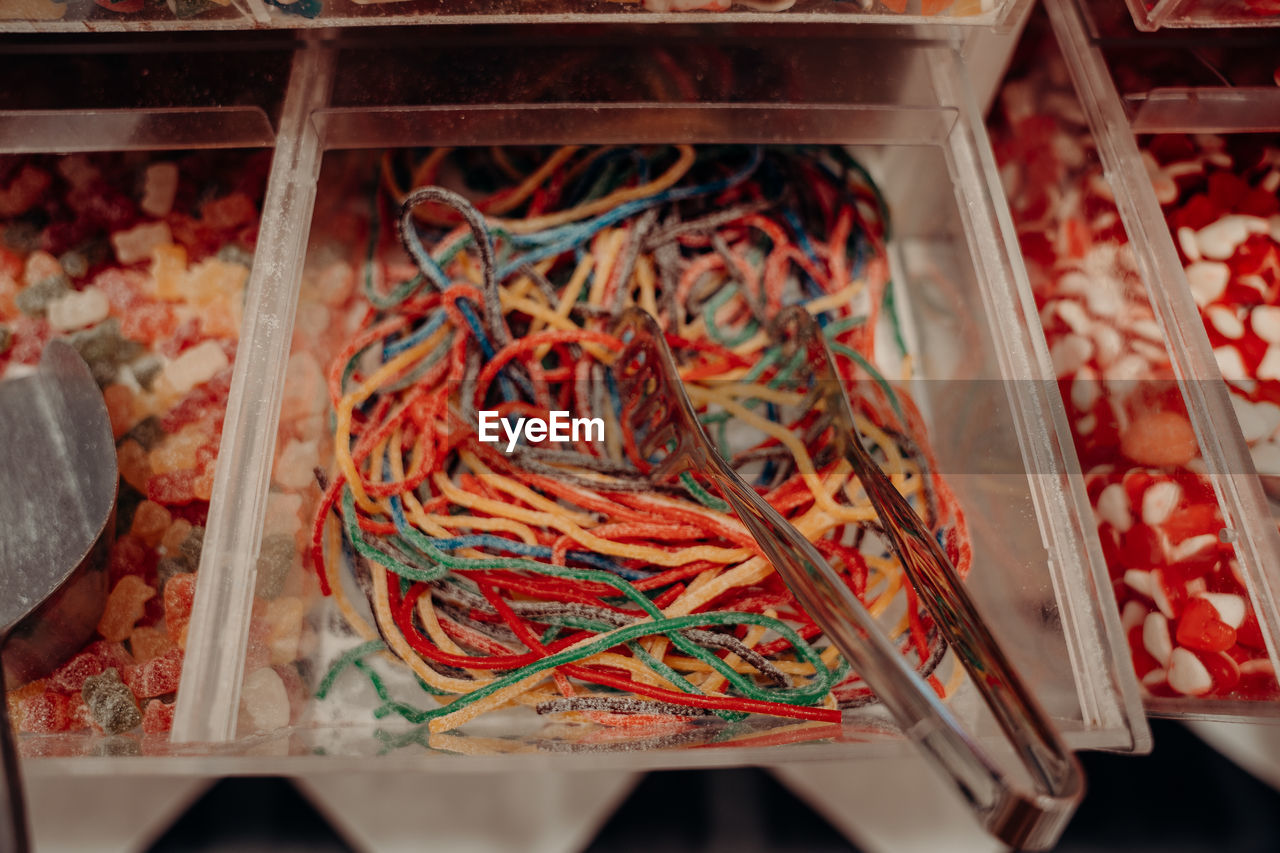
x=1041, y=575
x=78, y=76
x=177, y=15
x=1206, y=80
x=898, y=12
x=1138, y=181
x=139, y=260
x=1154, y=14
x=1118, y=384
x=126, y=232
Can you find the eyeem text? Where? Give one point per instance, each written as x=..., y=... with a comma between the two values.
x=560, y=427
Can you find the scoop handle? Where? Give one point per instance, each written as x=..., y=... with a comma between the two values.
x=13, y=821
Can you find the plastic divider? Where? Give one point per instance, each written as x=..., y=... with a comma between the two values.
x=1151, y=15
x=212, y=672
x=1107, y=697
x=913, y=21
x=614, y=124
x=1189, y=110
x=1187, y=80
x=1086, y=600
x=66, y=131
x=1226, y=454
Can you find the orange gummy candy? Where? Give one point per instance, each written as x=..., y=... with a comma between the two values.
x=125, y=606
x=135, y=467
x=148, y=642
x=150, y=521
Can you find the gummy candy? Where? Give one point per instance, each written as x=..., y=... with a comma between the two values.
x=284, y=616
x=229, y=211
x=130, y=556
x=69, y=677
x=150, y=521
x=177, y=533
x=119, y=400
x=134, y=464
x=125, y=606
x=48, y=712
x=194, y=367
x=191, y=546
x=168, y=265
x=34, y=299
x=112, y=706
x=108, y=255
x=110, y=653
x=23, y=191
x=14, y=697
x=147, y=642
x=276, y=558
x=264, y=701
x=157, y=717
x=137, y=243
x=77, y=309
x=179, y=591
x=174, y=487
x=160, y=188
x=159, y=675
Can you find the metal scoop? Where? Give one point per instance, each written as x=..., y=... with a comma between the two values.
x=57, y=496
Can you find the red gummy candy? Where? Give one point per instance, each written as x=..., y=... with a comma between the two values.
x=78, y=714
x=130, y=556
x=229, y=211
x=197, y=238
x=1250, y=633
x=30, y=334
x=183, y=337
x=1195, y=214
x=172, y=489
x=206, y=399
x=1201, y=629
x=1143, y=662
x=1227, y=190
x=179, y=591
x=157, y=717
x=111, y=654
x=10, y=263
x=69, y=677
x=1141, y=547
x=48, y=712
x=1224, y=671
x=196, y=512
x=1185, y=522
x=148, y=322
x=122, y=289
x=1171, y=148
x=158, y=676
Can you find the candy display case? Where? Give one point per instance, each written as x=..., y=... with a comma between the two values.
x=1206, y=79
x=303, y=253
x=932, y=17
x=274, y=670
x=1153, y=14
x=129, y=230
x=1125, y=178
x=899, y=13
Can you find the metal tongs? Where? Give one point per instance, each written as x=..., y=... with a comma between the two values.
x=661, y=415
